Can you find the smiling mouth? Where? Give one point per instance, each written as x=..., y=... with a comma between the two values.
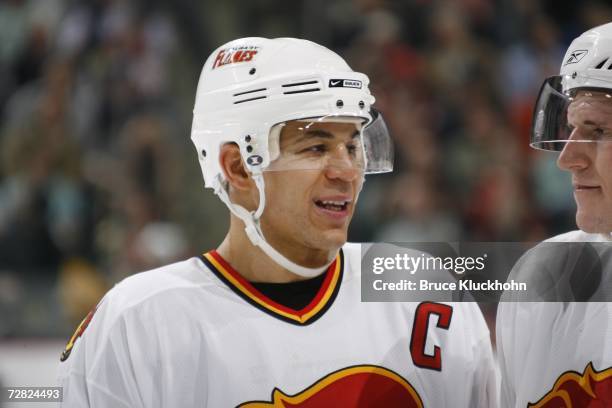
x=337, y=206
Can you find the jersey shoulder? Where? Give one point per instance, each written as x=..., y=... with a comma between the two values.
x=164, y=287
x=352, y=249
x=580, y=236
x=352, y=260
x=143, y=297
x=187, y=274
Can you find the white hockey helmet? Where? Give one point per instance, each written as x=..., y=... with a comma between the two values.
x=250, y=87
x=587, y=65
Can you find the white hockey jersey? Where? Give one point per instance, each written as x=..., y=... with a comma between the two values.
x=196, y=334
x=555, y=354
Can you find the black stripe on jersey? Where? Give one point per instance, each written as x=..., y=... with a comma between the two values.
x=272, y=313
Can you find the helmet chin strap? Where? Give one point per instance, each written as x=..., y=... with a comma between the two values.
x=253, y=229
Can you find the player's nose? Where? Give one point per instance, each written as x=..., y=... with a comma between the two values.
x=341, y=165
x=574, y=156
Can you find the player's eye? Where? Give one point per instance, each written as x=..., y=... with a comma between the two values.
x=598, y=134
x=352, y=149
x=317, y=149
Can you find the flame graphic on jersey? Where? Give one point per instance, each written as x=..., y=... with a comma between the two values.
x=77, y=333
x=356, y=387
x=592, y=389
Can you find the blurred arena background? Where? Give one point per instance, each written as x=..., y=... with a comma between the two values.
x=98, y=178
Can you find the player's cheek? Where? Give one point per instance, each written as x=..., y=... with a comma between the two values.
x=358, y=187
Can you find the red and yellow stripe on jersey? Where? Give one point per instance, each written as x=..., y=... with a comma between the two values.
x=315, y=309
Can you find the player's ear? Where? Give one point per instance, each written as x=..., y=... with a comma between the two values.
x=233, y=167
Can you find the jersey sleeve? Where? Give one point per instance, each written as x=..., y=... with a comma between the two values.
x=485, y=382
x=485, y=390
x=142, y=348
x=505, y=357
x=97, y=368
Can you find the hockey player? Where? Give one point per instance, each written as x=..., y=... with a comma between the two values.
x=285, y=132
x=559, y=354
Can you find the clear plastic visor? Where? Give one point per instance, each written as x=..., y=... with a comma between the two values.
x=582, y=115
x=342, y=142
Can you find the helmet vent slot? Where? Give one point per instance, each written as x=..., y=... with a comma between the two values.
x=250, y=99
x=300, y=83
x=303, y=88
x=601, y=64
x=251, y=91
x=302, y=91
x=250, y=95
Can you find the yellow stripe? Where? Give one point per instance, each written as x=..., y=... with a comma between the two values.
x=75, y=335
x=328, y=293
x=584, y=380
x=317, y=387
x=279, y=398
x=302, y=319
x=244, y=290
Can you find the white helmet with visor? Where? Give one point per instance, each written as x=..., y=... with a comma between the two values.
x=250, y=89
x=586, y=70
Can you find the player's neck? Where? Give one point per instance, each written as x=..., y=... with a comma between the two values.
x=250, y=261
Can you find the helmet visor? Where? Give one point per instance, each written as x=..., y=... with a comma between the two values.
x=343, y=142
x=378, y=145
x=580, y=115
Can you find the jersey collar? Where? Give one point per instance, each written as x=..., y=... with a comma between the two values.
x=315, y=309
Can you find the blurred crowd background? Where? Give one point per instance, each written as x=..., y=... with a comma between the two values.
x=99, y=180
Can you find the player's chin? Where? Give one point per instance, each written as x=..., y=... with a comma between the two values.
x=331, y=238
x=332, y=229
x=594, y=222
